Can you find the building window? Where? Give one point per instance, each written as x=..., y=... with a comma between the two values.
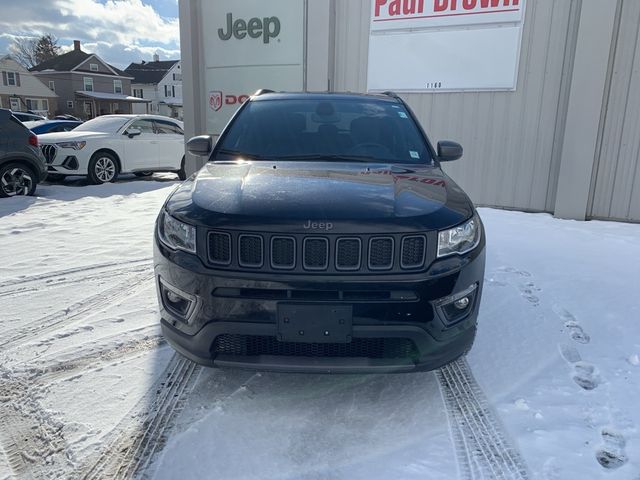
x=117, y=86
x=93, y=67
x=30, y=105
x=166, y=90
x=52, y=85
x=69, y=103
x=88, y=84
x=45, y=104
x=115, y=107
x=177, y=77
x=173, y=91
x=11, y=79
x=138, y=92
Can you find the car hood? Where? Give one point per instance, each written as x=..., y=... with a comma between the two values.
x=70, y=136
x=262, y=193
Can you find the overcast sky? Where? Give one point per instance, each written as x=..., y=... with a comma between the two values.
x=119, y=31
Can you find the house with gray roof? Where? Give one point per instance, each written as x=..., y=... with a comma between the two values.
x=161, y=83
x=21, y=91
x=86, y=85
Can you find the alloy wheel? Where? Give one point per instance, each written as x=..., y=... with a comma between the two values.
x=105, y=169
x=16, y=181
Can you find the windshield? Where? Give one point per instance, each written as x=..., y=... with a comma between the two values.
x=355, y=129
x=108, y=124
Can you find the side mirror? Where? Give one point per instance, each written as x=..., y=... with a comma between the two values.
x=200, y=145
x=132, y=132
x=448, y=150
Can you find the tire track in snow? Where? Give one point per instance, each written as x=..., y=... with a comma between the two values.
x=50, y=277
x=482, y=448
x=32, y=440
x=88, y=306
x=144, y=432
x=95, y=359
x=65, y=279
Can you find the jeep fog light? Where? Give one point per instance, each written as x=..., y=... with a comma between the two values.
x=177, y=302
x=456, y=307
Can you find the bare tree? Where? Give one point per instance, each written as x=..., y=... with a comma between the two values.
x=33, y=51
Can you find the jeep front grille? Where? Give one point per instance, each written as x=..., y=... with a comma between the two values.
x=381, y=253
x=49, y=152
x=316, y=253
x=413, y=251
x=332, y=254
x=253, y=345
x=220, y=248
x=250, y=251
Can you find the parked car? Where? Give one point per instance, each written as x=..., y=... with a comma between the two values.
x=109, y=145
x=28, y=116
x=21, y=162
x=51, y=126
x=321, y=236
x=67, y=116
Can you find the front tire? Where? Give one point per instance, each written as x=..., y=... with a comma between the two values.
x=16, y=179
x=103, y=168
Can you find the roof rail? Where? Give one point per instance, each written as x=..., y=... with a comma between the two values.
x=389, y=93
x=262, y=91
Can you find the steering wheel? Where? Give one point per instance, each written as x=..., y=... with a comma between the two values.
x=367, y=147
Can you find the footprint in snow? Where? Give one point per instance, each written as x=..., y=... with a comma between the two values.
x=575, y=329
x=584, y=373
x=528, y=291
x=612, y=455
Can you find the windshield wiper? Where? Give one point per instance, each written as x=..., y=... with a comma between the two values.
x=333, y=157
x=236, y=153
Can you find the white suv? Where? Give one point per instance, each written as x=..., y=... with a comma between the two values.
x=109, y=145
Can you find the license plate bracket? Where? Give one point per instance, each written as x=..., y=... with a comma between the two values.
x=304, y=323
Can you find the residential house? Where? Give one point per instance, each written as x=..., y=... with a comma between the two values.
x=160, y=82
x=86, y=85
x=21, y=91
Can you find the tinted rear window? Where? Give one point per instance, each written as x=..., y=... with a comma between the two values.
x=380, y=130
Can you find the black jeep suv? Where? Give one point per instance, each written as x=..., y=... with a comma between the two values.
x=321, y=236
x=21, y=162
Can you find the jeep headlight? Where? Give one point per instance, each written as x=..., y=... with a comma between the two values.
x=176, y=234
x=73, y=145
x=460, y=239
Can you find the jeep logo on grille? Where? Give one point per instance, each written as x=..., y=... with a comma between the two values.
x=317, y=225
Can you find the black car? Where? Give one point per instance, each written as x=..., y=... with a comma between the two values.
x=21, y=162
x=321, y=236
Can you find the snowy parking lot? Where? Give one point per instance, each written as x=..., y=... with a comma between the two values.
x=89, y=389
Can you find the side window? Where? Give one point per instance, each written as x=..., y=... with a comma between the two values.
x=145, y=126
x=168, y=127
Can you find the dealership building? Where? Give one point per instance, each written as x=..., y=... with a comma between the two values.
x=544, y=95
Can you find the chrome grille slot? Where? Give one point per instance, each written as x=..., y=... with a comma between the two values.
x=348, y=253
x=49, y=152
x=283, y=252
x=250, y=251
x=413, y=251
x=381, y=253
x=316, y=253
x=220, y=248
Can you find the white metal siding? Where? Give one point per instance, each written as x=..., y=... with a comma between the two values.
x=511, y=139
x=616, y=186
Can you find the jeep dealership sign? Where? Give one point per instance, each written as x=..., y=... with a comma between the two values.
x=249, y=45
x=444, y=45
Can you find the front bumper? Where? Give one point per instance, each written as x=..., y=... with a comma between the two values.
x=230, y=304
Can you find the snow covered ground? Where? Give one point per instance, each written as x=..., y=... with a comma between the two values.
x=88, y=388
